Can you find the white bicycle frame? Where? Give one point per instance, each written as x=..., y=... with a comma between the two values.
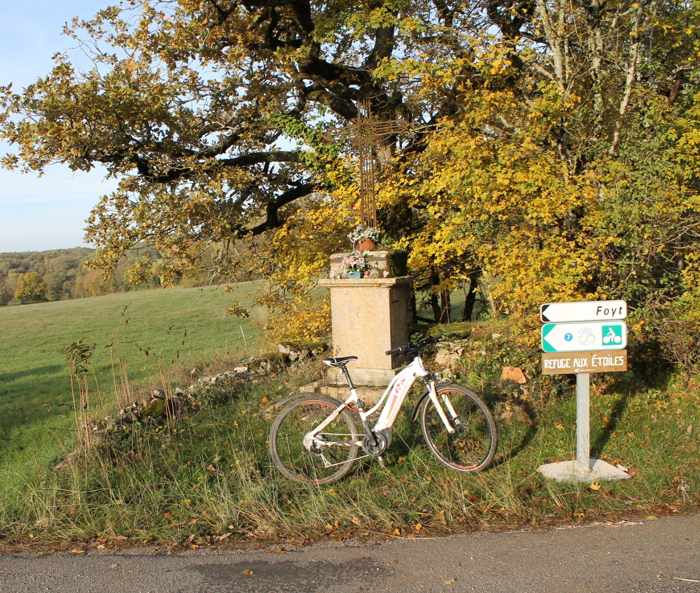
x=392, y=399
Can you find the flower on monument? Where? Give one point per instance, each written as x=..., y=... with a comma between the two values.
x=354, y=264
x=363, y=233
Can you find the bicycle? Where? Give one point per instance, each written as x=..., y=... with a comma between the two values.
x=315, y=438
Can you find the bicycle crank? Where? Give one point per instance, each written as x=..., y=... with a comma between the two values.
x=376, y=443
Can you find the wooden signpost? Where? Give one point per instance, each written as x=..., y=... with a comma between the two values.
x=581, y=338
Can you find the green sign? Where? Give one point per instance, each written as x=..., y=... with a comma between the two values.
x=591, y=335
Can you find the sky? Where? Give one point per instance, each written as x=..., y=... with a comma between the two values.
x=46, y=212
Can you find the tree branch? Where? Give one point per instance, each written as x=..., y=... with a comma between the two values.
x=145, y=169
x=629, y=82
x=272, y=219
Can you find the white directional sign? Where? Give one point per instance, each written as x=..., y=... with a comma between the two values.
x=583, y=311
x=593, y=335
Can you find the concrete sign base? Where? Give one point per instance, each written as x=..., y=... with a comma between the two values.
x=572, y=471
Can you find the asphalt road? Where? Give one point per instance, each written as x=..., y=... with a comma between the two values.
x=637, y=557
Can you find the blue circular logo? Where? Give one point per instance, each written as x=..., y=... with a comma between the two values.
x=568, y=337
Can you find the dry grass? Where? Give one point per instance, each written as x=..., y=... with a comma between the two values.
x=207, y=478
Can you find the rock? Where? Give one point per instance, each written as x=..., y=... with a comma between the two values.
x=448, y=356
x=155, y=409
x=241, y=370
x=514, y=375
x=157, y=394
x=292, y=353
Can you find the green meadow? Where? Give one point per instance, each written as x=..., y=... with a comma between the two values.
x=208, y=479
x=146, y=332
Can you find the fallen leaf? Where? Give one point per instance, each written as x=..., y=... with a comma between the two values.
x=558, y=425
x=248, y=572
x=595, y=486
x=355, y=521
x=418, y=527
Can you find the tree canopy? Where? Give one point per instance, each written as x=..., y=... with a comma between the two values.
x=548, y=142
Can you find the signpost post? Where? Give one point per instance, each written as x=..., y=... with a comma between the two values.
x=582, y=338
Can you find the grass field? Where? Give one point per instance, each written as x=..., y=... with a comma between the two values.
x=151, y=330
x=208, y=478
x=211, y=481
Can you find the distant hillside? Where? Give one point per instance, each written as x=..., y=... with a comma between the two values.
x=60, y=274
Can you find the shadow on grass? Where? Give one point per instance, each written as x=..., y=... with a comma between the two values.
x=35, y=372
x=629, y=385
x=29, y=397
x=408, y=434
x=615, y=416
x=531, y=419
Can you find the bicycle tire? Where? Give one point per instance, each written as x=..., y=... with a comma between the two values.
x=445, y=446
x=304, y=468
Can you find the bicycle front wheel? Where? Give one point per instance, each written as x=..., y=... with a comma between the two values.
x=472, y=446
x=330, y=454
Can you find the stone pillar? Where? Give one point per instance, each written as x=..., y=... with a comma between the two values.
x=369, y=316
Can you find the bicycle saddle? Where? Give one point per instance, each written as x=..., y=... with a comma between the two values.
x=338, y=361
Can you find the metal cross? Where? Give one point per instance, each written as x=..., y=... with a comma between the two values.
x=368, y=135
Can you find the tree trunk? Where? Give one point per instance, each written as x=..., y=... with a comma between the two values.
x=435, y=281
x=445, y=306
x=470, y=297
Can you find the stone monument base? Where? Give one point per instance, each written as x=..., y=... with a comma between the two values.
x=369, y=316
x=381, y=263
x=369, y=395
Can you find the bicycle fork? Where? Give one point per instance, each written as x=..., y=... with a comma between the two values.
x=432, y=394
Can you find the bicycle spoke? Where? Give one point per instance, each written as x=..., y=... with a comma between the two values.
x=331, y=450
x=472, y=445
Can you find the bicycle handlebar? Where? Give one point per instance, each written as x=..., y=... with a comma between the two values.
x=407, y=348
x=412, y=348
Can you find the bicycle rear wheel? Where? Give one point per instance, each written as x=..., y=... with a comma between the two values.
x=472, y=446
x=333, y=450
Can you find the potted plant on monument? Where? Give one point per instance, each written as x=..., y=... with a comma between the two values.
x=364, y=238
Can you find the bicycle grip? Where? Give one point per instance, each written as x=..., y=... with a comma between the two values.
x=399, y=350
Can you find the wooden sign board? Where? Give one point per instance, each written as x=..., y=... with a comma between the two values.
x=595, y=361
